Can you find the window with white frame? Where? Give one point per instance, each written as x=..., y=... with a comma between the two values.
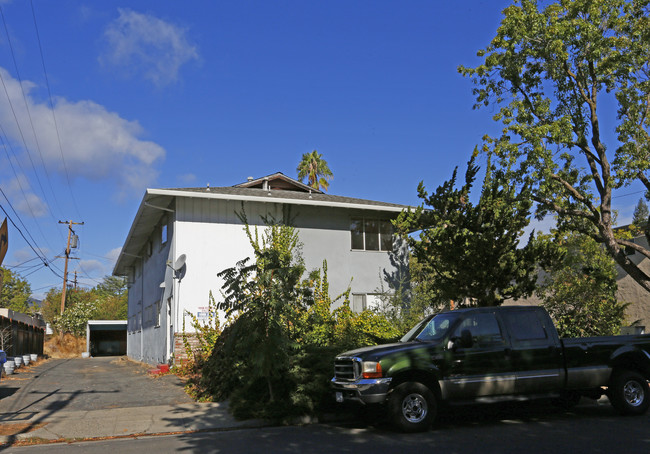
x=368, y=234
x=363, y=301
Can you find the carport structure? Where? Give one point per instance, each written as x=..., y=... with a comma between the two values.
x=106, y=337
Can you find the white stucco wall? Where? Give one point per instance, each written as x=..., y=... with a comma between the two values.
x=212, y=237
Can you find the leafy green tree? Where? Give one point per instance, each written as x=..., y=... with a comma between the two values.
x=411, y=298
x=315, y=169
x=267, y=293
x=15, y=292
x=111, y=299
x=640, y=218
x=51, y=305
x=561, y=76
x=471, y=250
x=579, y=289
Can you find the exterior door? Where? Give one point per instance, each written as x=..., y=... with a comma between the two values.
x=484, y=368
x=536, y=353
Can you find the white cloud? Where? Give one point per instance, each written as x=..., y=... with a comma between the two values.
x=148, y=46
x=92, y=267
x=186, y=178
x=25, y=201
x=26, y=254
x=113, y=255
x=97, y=144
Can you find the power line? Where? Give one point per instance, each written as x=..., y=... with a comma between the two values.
x=625, y=195
x=40, y=255
x=23, y=224
x=29, y=113
x=21, y=264
x=20, y=185
x=22, y=136
x=56, y=125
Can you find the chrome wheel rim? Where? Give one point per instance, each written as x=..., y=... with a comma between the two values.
x=414, y=408
x=633, y=393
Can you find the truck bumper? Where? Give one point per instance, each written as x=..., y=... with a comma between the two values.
x=364, y=390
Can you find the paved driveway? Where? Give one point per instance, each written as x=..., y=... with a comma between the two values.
x=86, y=384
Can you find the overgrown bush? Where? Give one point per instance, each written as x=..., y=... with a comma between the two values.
x=275, y=360
x=302, y=386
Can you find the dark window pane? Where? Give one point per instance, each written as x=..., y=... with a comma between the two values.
x=356, y=231
x=372, y=235
x=386, y=235
x=484, y=328
x=525, y=325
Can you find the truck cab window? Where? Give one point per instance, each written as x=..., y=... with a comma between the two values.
x=525, y=326
x=484, y=328
x=437, y=327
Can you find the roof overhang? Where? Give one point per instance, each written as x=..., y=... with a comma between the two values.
x=152, y=208
x=274, y=198
x=107, y=325
x=156, y=202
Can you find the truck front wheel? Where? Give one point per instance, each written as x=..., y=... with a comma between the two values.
x=412, y=407
x=629, y=393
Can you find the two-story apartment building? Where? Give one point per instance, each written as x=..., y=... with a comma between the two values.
x=182, y=238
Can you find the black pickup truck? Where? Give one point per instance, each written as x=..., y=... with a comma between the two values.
x=485, y=354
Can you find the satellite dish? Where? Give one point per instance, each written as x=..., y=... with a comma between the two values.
x=180, y=261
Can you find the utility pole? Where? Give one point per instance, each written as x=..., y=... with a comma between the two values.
x=67, y=257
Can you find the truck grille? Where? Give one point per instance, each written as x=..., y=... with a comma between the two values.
x=347, y=369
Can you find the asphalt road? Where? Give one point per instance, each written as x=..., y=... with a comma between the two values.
x=530, y=428
x=87, y=384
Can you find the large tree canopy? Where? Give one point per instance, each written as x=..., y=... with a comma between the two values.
x=579, y=289
x=469, y=250
x=564, y=77
x=14, y=292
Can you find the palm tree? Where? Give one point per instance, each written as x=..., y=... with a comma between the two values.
x=315, y=168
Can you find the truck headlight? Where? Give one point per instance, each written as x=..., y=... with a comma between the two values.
x=371, y=369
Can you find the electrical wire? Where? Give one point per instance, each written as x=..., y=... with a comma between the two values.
x=22, y=136
x=21, y=264
x=6, y=146
x=56, y=125
x=29, y=113
x=38, y=253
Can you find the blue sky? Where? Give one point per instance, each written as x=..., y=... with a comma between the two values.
x=180, y=94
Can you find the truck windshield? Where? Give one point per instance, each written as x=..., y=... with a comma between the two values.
x=430, y=329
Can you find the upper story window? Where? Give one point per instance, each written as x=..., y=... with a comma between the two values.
x=163, y=234
x=369, y=234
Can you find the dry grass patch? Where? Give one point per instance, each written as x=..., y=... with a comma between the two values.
x=67, y=346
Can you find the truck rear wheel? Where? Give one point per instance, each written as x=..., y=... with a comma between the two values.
x=628, y=393
x=412, y=407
